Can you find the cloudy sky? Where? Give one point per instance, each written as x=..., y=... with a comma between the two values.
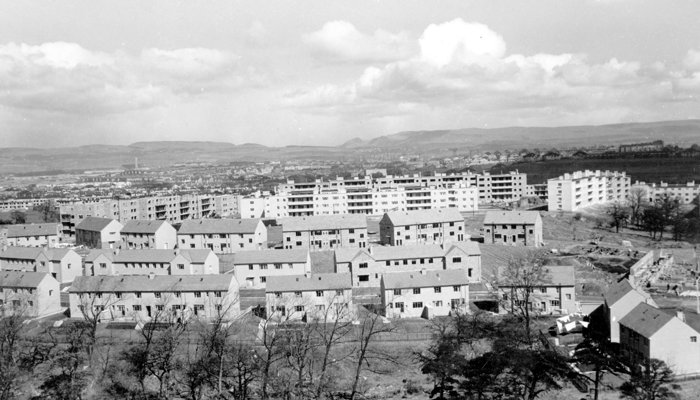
x=322, y=72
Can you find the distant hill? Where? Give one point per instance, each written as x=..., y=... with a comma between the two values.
x=430, y=143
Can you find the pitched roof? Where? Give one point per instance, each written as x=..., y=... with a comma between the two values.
x=429, y=278
x=382, y=253
x=21, y=279
x=645, y=319
x=196, y=256
x=554, y=275
x=22, y=253
x=218, y=226
x=346, y=254
x=496, y=256
x=93, y=254
x=619, y=290
x=152, y=283
x=57, y=254
x=322, y=261
x=310, y=282
x=401, y=218
x=94, y=224
x=145, y=256
x=323, y=222
x=142, y=226
x=32, y=230
x=511, y=217
x=469, y=247
x=270, y=256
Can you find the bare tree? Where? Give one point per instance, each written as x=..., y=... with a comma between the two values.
x=368, y=355
x=618, y=215
x=333, y=328
x=637, y=201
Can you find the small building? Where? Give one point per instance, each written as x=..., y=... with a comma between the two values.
x=325, y=297
x=323, y=232
x=619, y=300
x=253, y=268
x=424, y=293
x=98, y=233
x=62, y=264
x=439, y=226
x=222, y=235
x=521, y=228
x=152, y=261
x=33, y=235
x=30, y=294
x=155, y=298
x=142, y=234
x=647, y=332
x=554, y=293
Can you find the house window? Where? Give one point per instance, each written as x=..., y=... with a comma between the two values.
x=437, y=289
x=417, y=304
x=455, y=288
x=181, y=266
x=320, y=307
x=693, y=339
x=363, y=265
x=568, y=296
x=263, y=279
x=103, y=265
x=250, y=267
x=278, y=294
x=217, y=294
x=197, y=294
x=137, y=307
x=456, y=259
x=363, y=278
x=437, y=303
x=159, y=307
x=397, y=292
x=177, y=294
x=319, y=293
x=416, y=290
x=298, y=294
x=157, y=295
x=138, y=295
x=299, y=308
x=554, y=303
x=118, y=294
x=388, y=263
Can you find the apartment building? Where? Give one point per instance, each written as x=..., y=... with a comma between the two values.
x=422, y=227
x=158, y=298
x=151, y=234
x=62, y=264
x=152, y=261
x=30, y=294
x=252, y=268
x=98, y=233
x=619, y=300
x=325, y=297
x=687, y=193
x=367, y=266
x=647, y=332
x=324, y=232
x=222, y=235
x=554, y=294
x=424, y=293
x=173, y=209
x=521, y=228
x=571, y=192
x=33, y=235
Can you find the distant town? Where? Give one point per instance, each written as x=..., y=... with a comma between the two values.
x=294, y=273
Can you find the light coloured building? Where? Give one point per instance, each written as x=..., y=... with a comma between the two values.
x=687, y=193
x=151, y=234
x=424, y=293
x=309, y=297
x=161, y=298
x=368, y=266
x=554, y=294
x=571, y=192
x=152, y=261
x=522, y=228
x=30, y=294
x=98, y=233
x=33, y=235
x=252, y=268
x=619, y=300
x=324, y=232
x=222, y=235
x=422, y=227
x=62, y=264
x=647, y=333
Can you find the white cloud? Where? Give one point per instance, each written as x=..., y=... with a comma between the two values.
x=65, y=77
x=463, y=68
x=340, y=40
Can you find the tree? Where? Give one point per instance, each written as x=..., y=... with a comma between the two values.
x=650, y=382
x=598, y=354
x=618, y=215
x=367, y=354
x=48, y=211
x=653, y=222
x=637, y=201
x=18, y=217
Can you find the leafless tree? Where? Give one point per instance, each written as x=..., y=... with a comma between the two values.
x=637, y=201
x=368, y=354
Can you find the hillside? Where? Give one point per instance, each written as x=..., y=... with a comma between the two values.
x=428, y=143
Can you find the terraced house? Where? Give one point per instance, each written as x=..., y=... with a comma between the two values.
x=222, y=235
x=33, y=235
x=424, y=294
x=309, y=297
x=439, y=226
x=253, y=268
x=162, y=298
x=30, y=294
x=324, y=232
x=519, y=228
x=152, y=261
x=147, y=234
x=62, y=264
x=98, y=233
x=554, y=293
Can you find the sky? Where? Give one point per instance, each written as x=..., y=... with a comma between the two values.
x=322, y=72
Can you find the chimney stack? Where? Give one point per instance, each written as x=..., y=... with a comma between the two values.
x=680, y=315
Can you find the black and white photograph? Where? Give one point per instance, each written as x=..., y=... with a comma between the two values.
x=349, y=200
